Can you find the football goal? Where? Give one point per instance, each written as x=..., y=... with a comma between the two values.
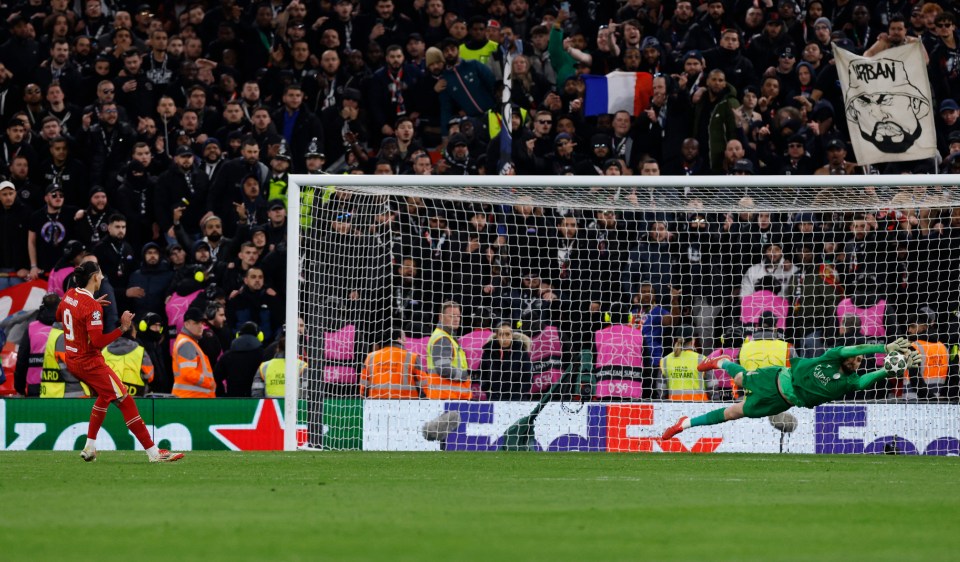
x=571, y=313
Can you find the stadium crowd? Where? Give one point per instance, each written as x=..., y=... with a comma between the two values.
x=156, y=138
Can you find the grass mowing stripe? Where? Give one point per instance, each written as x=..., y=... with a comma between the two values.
x=478, y=506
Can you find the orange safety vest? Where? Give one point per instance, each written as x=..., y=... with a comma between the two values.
x=192, y=378
x=391, y=373
x=936, y=362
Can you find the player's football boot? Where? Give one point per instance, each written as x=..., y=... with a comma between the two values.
x=167, y=456
x=88, y=455
x=711, y=364
x=674, y=429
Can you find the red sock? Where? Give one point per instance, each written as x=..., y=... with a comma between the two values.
x=96, y=417
x=132, y=416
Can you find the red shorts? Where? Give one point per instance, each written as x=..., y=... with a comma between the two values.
x=100, y=378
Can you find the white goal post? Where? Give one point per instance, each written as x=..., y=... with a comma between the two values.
x=629, y=194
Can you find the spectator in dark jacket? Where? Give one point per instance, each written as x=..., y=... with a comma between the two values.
x=110, y=143
x=255, y=303
x=236, y=368
x=506, y=369
x=148, y=285
x=150, y=336
x=13, y=230
x=298, y=125
x=182, y=187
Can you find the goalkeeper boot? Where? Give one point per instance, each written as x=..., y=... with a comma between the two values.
x=674, y=429
x=711, y=364
x=88, y=454
x=164, y=455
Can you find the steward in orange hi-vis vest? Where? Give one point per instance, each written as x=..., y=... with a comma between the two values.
x=392, y=372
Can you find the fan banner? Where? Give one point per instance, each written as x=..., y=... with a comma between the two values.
x=888, y=104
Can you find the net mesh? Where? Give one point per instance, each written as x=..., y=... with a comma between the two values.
x=557, y=318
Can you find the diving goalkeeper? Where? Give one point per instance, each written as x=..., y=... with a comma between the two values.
x=807, y=383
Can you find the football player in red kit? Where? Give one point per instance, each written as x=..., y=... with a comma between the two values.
x=82, y=319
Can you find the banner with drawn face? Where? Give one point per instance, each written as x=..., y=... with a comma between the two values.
x=888, y=104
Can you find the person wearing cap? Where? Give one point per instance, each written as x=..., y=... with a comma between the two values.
x=14, y=261
x=276, y=223
x=182, y=201
x=742, y=167
x=681, y=380
x=49, y=229
x=314, y=158
x=836, y=160
x=795, y=161
x=953, y=143
x=693, y=72
x=424, y=97
x=564, y=158
x=415, y=48
x=192, y=374
x=388, y=91
x=786, y=71
x=469, y=85
x=277, y=179
x=766, y=346
x=651, y=52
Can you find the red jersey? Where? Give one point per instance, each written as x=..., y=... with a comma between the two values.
x=82, y=319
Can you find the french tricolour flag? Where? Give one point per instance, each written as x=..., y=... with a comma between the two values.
x=627, y=91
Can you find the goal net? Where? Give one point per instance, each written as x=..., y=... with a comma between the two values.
x=562, y=313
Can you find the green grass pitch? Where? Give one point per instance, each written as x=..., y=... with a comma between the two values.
x=478, y=506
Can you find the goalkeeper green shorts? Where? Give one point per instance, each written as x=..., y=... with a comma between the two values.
x=762, y=398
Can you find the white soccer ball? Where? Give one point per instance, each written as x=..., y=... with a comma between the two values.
x=895, y=363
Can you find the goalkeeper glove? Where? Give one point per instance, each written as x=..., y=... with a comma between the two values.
x=899, y=345
x=913, y=359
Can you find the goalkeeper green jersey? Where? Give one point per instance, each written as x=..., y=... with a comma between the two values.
x=821, y=379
